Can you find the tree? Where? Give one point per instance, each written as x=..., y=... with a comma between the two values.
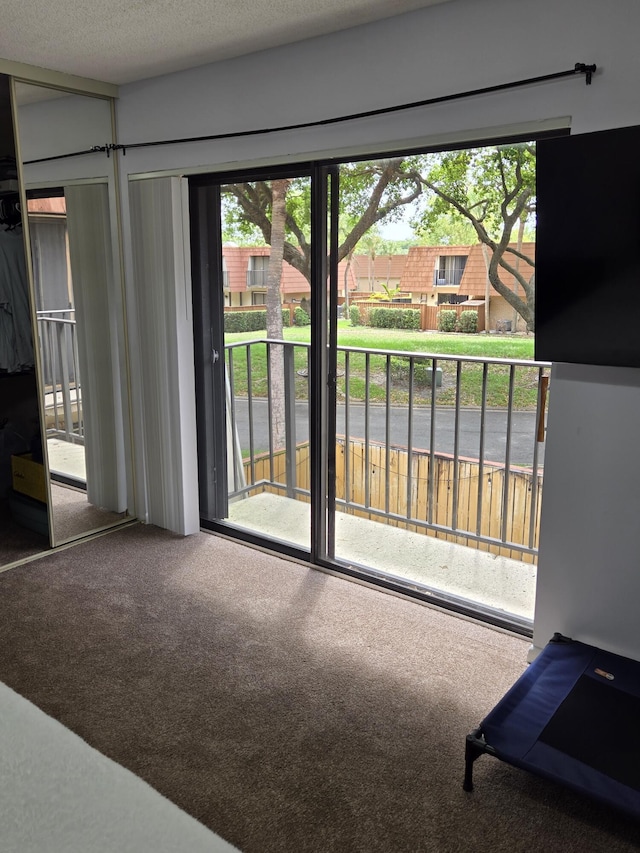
x=369, y=193
x=447, y=230
x=274, y=307
x=493, y=189
x=276, y=257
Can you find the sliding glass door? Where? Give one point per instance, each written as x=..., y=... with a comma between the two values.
x=350, y=411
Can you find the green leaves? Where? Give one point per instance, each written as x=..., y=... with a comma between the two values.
x=480, y=187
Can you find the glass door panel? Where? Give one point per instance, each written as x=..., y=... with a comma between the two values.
x=259, y=301
x=438, y=463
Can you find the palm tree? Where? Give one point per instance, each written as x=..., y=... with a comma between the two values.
x=274, y=307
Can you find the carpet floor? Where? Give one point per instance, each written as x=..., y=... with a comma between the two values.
x=286, y=709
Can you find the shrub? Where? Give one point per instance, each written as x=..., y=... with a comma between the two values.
x=394, y=318
x=447, y=320
x=400, y=368
x=301, y=318
x=245, y=321
x=467, y=322
x=354, y=316
x=251, y=321
x=412, y=319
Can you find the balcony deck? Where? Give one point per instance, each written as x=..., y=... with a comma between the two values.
x=501, y=583
x=66, y=459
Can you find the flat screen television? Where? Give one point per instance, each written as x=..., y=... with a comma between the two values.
x=588, y=248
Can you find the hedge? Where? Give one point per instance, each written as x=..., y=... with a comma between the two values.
x=394, y=318
x=250, y=321
x=447, y=320
x=301, y=318
x=467, y=322
x=354, y=316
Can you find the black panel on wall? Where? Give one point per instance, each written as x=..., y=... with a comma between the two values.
x=588, y=248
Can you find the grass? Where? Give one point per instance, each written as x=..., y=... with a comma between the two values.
x=489, y=346
x=428, y=343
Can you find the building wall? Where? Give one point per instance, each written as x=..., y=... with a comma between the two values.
x=437, y=51
x=500, y=310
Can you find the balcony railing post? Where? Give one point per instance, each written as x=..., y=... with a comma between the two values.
x=290, y=419
x=64, y=381
x=78, y=382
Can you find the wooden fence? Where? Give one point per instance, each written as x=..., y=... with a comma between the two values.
x=428, y=313
x=519, y=506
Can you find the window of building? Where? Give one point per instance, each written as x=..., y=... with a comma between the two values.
x=450, y=269
x=451, y=298
x=225, y=274
x=257, y=272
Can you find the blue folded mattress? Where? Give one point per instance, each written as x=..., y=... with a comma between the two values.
x=573, y=717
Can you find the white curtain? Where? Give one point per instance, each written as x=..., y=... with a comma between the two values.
x=162, y=280
x=91, y=258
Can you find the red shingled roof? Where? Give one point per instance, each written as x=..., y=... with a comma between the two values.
x=422, y=260
x=382, y=268
x=236, y=261
x=414, y=271
x=475, y=272
x=421, y=265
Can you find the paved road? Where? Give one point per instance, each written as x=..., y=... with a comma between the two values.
x=523, y=429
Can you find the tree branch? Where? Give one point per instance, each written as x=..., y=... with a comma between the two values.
x=373, y=212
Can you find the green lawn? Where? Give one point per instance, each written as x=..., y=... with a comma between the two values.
x=433, y=344
x=492, y=346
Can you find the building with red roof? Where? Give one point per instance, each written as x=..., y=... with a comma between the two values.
x=434, y=275
x=245, y=277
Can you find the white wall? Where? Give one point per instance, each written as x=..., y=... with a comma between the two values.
x=59, y=125
x=588, y=576
x=455, y=47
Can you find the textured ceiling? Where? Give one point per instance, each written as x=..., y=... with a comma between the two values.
x=119, y=41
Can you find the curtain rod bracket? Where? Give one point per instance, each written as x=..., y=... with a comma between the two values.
x=587, y=70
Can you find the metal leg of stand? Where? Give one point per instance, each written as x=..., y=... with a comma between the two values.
x=474, y=748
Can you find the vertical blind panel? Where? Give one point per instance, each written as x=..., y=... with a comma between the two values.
x=91, y=260
x=162, y=281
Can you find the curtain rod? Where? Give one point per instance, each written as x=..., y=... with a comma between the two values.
x=579, y=68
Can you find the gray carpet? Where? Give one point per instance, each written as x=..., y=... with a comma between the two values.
x=16, y=542
x=74, y=516
x=286, y=709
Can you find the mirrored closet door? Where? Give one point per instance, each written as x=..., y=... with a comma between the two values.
x=74, y=255
x=24, y=521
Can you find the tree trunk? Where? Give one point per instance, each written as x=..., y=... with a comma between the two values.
x=274, y=309
x=487, y=289
x=520, y=240
x=346, y=284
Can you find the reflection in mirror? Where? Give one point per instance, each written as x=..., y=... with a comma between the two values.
x=75, y=265
x=24, y=527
